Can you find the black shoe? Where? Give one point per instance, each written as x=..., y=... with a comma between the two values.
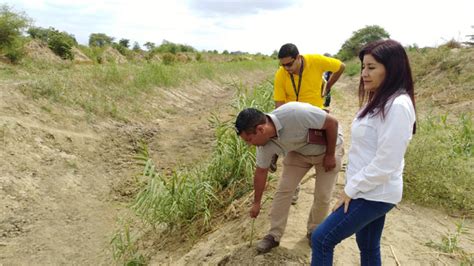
x=294, y=198
x=308, y=236
x=273, y=165
x=266, y=244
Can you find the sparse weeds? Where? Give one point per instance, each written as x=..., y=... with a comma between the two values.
x=125, y=249
x=449, y=245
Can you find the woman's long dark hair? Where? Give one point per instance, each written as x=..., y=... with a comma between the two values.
x=398, y=78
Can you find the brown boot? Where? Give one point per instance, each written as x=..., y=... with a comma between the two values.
x=266, y=244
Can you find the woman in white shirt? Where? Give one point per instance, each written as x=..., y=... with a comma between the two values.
x=381, y=132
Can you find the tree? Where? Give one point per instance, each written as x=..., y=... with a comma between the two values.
x=124, y=42
x=38, y=33
x=274, y=54
x=136, y=47
x=359, y=38
x=470, y=42
x=149, y=45
x=169, y=47
x=100, y=39
x=12, y=26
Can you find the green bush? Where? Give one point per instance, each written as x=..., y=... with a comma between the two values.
x=15, y=52
x=123, y=50
x=11, y=27
x=439, y=164
x=168, y=58
x=352, y=67
x=169, y=47
x=100, y=40
x=60, y=43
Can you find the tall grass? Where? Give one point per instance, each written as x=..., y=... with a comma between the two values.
x=193, y=195
x=113, y=90
x=352, y=67
x=190, y=197
x=439, y=164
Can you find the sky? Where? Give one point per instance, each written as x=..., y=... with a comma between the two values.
x=253, y=26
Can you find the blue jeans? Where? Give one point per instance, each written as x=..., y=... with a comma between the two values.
x=364, y=218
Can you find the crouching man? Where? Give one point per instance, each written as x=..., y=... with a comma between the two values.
x=308, y=137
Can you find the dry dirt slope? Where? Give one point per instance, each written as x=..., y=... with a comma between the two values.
x=408, y=227
x=64, y=174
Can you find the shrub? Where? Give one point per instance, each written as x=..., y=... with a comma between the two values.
x=198, y=56
x=121, y=49
x=169, y=58
x=15, y=52
x=60, y=43
x=169, y=47
x=352, y=67
x=439, y=164
x=11, y=27
x=451, y=44
x=100, y=39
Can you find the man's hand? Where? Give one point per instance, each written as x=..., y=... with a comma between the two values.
x=344, y=199
x=255, y=210
x=329, y=162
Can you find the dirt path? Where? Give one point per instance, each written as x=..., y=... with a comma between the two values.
x=408, y=227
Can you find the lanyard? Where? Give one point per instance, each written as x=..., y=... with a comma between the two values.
x=297, y=91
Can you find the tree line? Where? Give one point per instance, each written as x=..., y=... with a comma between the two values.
x=14, y=25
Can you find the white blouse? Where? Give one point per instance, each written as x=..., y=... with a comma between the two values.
x=375, y=166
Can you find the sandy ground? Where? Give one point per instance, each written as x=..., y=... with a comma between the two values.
x=65, y=182
x=408, y=227
x=66, y=179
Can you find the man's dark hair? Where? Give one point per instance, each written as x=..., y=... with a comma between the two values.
x=288, y=49
x=248, y=119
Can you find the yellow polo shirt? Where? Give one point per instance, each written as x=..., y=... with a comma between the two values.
x=310, y=92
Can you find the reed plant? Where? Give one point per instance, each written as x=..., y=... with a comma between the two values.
x=193, y=195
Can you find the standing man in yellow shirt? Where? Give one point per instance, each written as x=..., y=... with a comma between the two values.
x=300, y=78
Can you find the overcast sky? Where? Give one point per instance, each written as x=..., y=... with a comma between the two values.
x=254, y=26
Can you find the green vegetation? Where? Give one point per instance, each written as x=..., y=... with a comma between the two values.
x=352, y=67
x=191, y=195
x=60, y=43
x=449, y=245
x=439, y=164
x=186, y=200
x=359, y=38
x=12, y=25
x=100, y=40
x=117, y=90
x=124, y=248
